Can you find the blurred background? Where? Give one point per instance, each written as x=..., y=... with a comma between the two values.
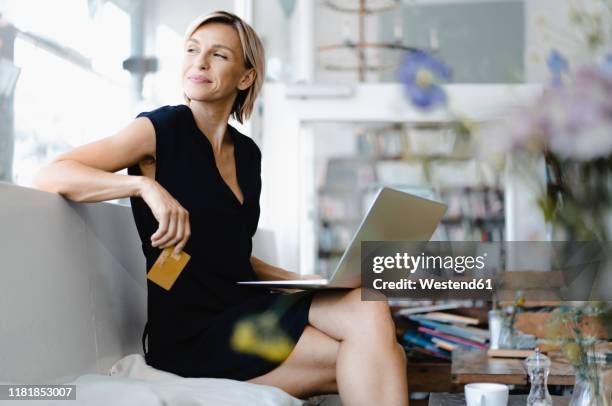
x=343, y=110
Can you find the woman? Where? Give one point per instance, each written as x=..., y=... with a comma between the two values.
x=194, y=184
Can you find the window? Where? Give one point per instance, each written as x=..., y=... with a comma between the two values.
x=59, y=104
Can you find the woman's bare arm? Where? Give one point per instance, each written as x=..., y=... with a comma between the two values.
x=85, y=174
x=82, y=183
x=267, y=272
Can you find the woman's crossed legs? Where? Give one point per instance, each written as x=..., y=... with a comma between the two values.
x=349, y=347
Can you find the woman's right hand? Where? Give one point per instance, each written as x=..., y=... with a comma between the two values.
x=173, y=219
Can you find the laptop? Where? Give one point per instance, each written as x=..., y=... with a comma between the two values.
x=393, y=216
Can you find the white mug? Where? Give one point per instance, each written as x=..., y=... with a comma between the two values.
x=486, y=394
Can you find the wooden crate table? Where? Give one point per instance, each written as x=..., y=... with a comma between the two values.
x=475, y=366
x=457, y=399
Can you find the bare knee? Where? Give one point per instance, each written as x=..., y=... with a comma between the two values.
x=344, y=316
x=370, y=317
x=369, y=307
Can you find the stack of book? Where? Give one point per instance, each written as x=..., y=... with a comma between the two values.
x=439, y=333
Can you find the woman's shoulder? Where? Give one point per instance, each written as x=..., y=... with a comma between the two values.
x=164, y=112
x=166, y=119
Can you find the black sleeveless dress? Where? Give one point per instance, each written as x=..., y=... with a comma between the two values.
x=189, y=328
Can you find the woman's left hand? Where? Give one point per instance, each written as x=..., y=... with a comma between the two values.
x=296, y=276
x=310, y=276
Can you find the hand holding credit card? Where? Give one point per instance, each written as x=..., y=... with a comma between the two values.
x=168, y=267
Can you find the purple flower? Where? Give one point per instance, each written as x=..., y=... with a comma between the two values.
x=421, y=73
x=579, y=117
x=573, y=121
x=557, y=64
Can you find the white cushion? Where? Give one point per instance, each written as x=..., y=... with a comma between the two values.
x=135, y=366
x=174, y=389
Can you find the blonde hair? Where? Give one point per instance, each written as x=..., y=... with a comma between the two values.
x=252, y=50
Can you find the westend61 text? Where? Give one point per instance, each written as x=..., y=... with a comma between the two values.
x=433, y=284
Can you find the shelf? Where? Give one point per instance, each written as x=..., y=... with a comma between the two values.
x=469, y=189
x=341, y=190
x=371, y=187
x=345, y=222
x=477, y=220
x=421, y=158
x=330, y=254
x=394, y=158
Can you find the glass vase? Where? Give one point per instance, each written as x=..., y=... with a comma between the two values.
x=589, y=387
x=506, y=335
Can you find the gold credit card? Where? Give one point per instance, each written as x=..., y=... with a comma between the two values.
x=168, y=267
